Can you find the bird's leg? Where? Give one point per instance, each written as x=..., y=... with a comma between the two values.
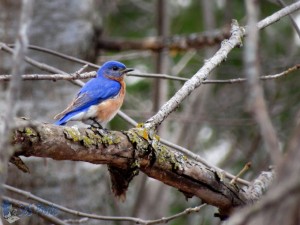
x=96, y=126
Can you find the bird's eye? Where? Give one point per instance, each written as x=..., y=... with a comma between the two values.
x=115, y=68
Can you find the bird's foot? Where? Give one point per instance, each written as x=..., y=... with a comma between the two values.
x=96, y=126
x=103, y=132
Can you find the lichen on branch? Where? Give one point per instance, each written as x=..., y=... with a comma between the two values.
x=137, y=149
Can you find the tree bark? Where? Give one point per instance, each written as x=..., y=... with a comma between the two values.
x=134, y=149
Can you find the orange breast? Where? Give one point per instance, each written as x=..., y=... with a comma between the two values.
x=109, y=108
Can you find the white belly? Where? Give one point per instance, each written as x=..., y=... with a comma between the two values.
x=90, y=113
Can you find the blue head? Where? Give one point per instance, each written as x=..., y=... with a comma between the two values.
x=113, y=70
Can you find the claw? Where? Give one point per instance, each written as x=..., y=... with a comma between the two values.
x=103, y=131
x=94, y=123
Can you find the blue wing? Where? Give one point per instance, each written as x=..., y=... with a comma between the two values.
x=93, y=92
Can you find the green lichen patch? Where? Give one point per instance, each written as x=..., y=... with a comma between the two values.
x=110, y=138
x=107, y=140
x=91, y=137
x=30, y=133
x=135, y=164
x=94, y=137
x=72, y=134
x=136, y=136
x=88, y=142
x=140, y=125
x=164, y=155
x=115, y=138
x=142, y=132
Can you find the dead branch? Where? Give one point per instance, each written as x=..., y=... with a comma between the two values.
x=173, y=43
x=133, y=149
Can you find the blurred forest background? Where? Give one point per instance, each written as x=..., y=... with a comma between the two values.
x=213, y=122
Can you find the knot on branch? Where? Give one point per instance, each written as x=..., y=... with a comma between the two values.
x=26, y=135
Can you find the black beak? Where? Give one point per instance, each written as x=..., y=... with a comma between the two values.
x=127, y=70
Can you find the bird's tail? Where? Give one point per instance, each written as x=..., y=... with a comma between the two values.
x=60, y=122
x=63, y=120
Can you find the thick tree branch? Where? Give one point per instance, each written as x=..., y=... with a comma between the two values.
x=129, y=150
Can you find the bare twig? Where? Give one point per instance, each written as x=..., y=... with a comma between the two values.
x=39, y=65
x=157, y=75
x=78, y=72
x=183, y=213
x=281, y=2
x=176, y=69
x=54, y=77
x=29, y=195
x=245, y=168
x=86, y=75
x=263, y=78
x=92, y=74
x=32, y=208
x=59, y=54
x=278, y=15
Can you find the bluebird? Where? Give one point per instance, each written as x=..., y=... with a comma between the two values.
x=100, y=98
